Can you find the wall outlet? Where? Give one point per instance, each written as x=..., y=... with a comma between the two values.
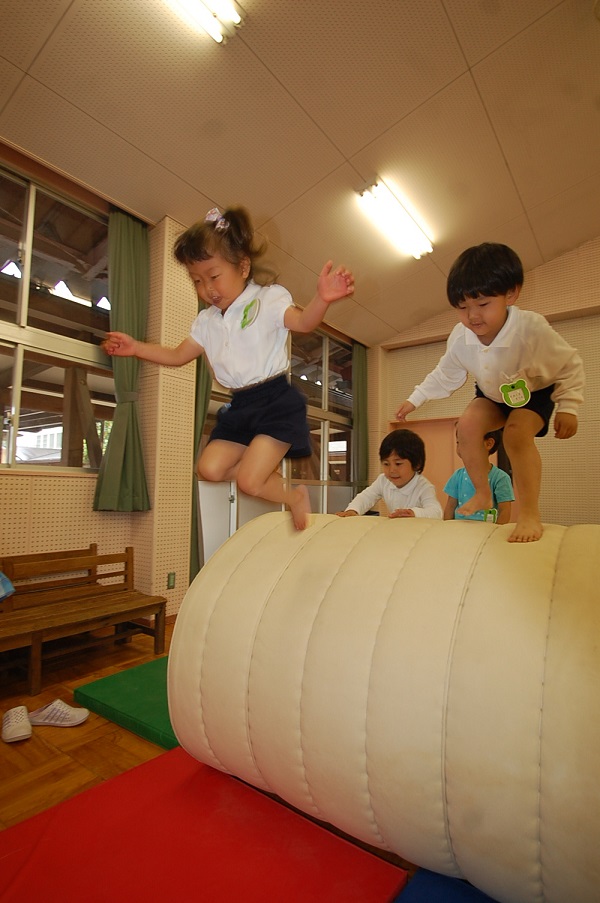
x=171, y=580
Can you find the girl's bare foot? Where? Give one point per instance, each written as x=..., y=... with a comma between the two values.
x=527, y=529
x=300, y=508
x=481, y=501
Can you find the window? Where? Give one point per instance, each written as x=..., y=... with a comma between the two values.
x=321, y=367
x=56, y=386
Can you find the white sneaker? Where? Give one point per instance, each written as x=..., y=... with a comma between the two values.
x=16, y=725
x=58, y=714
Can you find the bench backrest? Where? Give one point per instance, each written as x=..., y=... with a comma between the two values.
x=47, y=577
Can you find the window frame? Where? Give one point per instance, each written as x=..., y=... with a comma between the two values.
x=21, y=338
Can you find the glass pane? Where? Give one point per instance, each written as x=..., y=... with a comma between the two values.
x=66, y=413
x=6, y=370
x=339, y=463
x=339, y=396
x=307, y=366
x=309, y=468
x=12, y=207
x=69, y=272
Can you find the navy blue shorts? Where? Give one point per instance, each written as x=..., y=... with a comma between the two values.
x=540, y=402
x=273, y=408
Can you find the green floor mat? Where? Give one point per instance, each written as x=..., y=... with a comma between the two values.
x=135, y=699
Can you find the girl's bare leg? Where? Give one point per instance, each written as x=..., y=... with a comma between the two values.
x=257, y=476
x=480, y=417
x=219, y=461
x=521, y=428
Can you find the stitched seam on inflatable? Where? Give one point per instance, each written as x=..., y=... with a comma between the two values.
x=309, y=538
x=543, y=691
x=374, y=819
x=308, y=642
x=445, y=706
x=203, y=647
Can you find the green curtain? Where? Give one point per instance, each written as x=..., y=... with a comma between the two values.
x=203, y=390
x=360, y=434
x=121, y=484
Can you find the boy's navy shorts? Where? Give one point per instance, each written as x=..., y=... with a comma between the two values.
x=540, y=402
x=273, y=408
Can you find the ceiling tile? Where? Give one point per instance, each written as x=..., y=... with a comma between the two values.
x=10, y=77
x=26, y=28
x=176, y=96
x=565, y=221
x=482, y=28
x=542, y=93
x=356, y=68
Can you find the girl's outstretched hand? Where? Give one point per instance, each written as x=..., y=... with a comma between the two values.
x=334, y=284
x=119, y=344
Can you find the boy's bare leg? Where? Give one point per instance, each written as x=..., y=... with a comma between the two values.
x=257, y=476
x=521, y=428
x=480, y=417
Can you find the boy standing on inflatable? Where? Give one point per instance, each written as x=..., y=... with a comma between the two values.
x=522, y=369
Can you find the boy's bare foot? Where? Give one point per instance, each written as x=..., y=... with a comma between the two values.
x=527, y=529
x=481, y=501
x=300, y=508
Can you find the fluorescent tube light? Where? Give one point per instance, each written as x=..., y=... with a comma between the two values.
x=218, y=18
x=389, y=215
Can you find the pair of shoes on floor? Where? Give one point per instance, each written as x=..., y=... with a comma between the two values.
x=16, y=723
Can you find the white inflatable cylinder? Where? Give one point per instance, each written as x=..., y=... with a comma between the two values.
x=425, y=686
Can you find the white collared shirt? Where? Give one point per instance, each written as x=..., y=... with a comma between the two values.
x=248, y=343
x=418, y=494
x=525, y=348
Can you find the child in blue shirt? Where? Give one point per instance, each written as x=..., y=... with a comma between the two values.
x=459, y=487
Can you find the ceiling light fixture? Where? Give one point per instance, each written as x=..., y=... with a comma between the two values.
x=218, y=18
x=391, y=217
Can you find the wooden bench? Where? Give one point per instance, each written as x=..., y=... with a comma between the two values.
x=70, y=594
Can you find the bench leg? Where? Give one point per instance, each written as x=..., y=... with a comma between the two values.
x=159, y=630
x=122, y=628
x=35, y=665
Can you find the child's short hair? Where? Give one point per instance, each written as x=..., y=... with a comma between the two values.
x=229, y=234
x=495, y=435
x=484, y=270
x=406, y=444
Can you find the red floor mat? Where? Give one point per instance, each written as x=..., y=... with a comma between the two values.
x=174, y=829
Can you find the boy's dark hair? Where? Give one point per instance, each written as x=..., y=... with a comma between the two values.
x=231, y=236
x=405, y=444
x=495, y=435
x=484, y=270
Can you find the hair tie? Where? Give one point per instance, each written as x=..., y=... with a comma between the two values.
x=214, y=216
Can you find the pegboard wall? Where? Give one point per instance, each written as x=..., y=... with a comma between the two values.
x=46, y=512
x=568, y=287
x=570, y=489
x=166, y=411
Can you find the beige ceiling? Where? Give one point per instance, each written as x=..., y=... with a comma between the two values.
x=486, y=113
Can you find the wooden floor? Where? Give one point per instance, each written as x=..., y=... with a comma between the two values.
x=57, y=763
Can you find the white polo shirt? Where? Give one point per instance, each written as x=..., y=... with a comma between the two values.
x=418, y=494
x=248, y=343
x=525, y=348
